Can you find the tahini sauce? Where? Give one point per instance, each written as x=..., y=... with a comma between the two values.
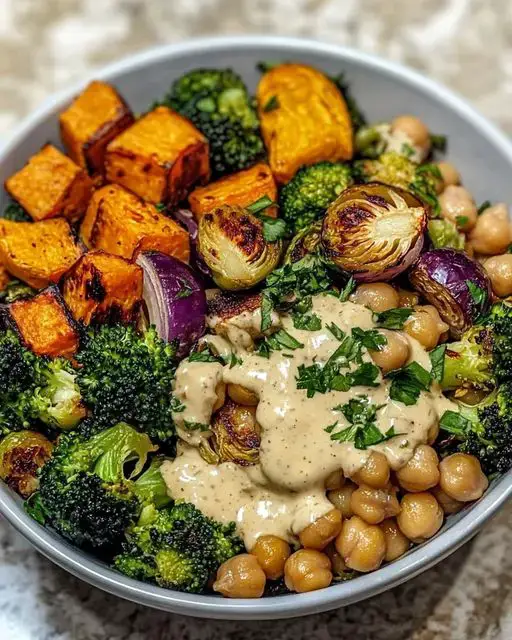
x=285, y=491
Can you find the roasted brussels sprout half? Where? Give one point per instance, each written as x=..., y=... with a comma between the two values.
x=306, y=241
x=235, y=436
x=374, y=231
x=232, y=244
x=22, y=453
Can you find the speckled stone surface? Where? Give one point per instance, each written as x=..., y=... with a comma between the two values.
x=467, y=44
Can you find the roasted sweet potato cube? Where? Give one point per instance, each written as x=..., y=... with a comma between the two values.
x=45, y=324
x=38, y=252
x=304, y=119
x=51, y=185
x=103, y=287
x=242, y=189
x=160, y=157
x=121, y=223
x=91, y=121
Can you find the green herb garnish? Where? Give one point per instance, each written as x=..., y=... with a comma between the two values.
x=277, y=342
x=393, y=318
x=347, y=290
x=453, y=422
x=372, y=339
x=408, y=382
x=272, y=104
x=363, y=431
x=437, y=360
x=485, y=205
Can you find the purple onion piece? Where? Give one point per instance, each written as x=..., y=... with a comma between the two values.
x=455, y=284
x=186, y=218
x=175, y=299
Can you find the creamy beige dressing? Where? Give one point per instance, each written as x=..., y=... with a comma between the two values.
x=395, y=141
x=241, y=329
x=285, y=491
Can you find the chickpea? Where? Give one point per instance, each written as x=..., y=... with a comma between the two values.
x=335, y=480
x=394, y=354
x=462, y=477
x=338, y=564
x=377, y=296
x=240, y=577
x=448, y=505
x=362, y=546
x=420, y=517
x=421, y=472
x=426, y=326
x=458, y=206
x=374, y=505
x=491, y=233
x=396, y=543
x=319, y=533
x=220, y=390
x=341, y=498
x=271, y=553
x=307, y=570
x=499, y=270
x=374, y=473
x=414, y=128
x=449, y=173
x=407, y=298
x=241, y=395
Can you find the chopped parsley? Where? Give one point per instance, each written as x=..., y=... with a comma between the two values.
x=303, y=318
x=408, y=382
x=273, y=228
x=271, y=105
x=485, y=205
x=160, y=207
x=363, y=431
x=479, y=297
x=203, y=356
x=277, y=342
x=195, y=426
x=453, y=422
x=291, y=283
x=347, y=289
x=437, y=360
x=407, y=150
x=185, y=291
x=232, y=359
x=372, y=339
x=461, y=220
x=393, y=318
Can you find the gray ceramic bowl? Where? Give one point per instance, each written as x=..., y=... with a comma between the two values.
x=480, y=151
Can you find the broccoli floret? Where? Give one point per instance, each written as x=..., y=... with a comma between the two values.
x=14, y=211
x=308, y=194
x=177, y=547
x=483, y=430
x=397, y=170
x=482, y=358
x=217, y=102
x=16, y=290
x=84, y=491
x=444, y=233
x=125, y=375
x=35, y=389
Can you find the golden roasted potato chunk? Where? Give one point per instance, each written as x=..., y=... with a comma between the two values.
x=45, y=324
x=160, y=157
x=121, y=223
x=51, y=185
x=102, y=287
x=304, y=119
x=91, y=121
x=38, y=252
x=242, y=189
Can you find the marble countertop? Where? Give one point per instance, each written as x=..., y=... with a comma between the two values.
x=467, y=44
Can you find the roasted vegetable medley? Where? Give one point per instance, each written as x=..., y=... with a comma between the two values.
x=250, y=344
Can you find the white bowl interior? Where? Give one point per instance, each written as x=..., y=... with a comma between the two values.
x=481, y=153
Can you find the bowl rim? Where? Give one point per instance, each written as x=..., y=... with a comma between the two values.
x=417, y=560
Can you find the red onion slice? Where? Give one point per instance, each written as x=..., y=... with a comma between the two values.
x=175, y=299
